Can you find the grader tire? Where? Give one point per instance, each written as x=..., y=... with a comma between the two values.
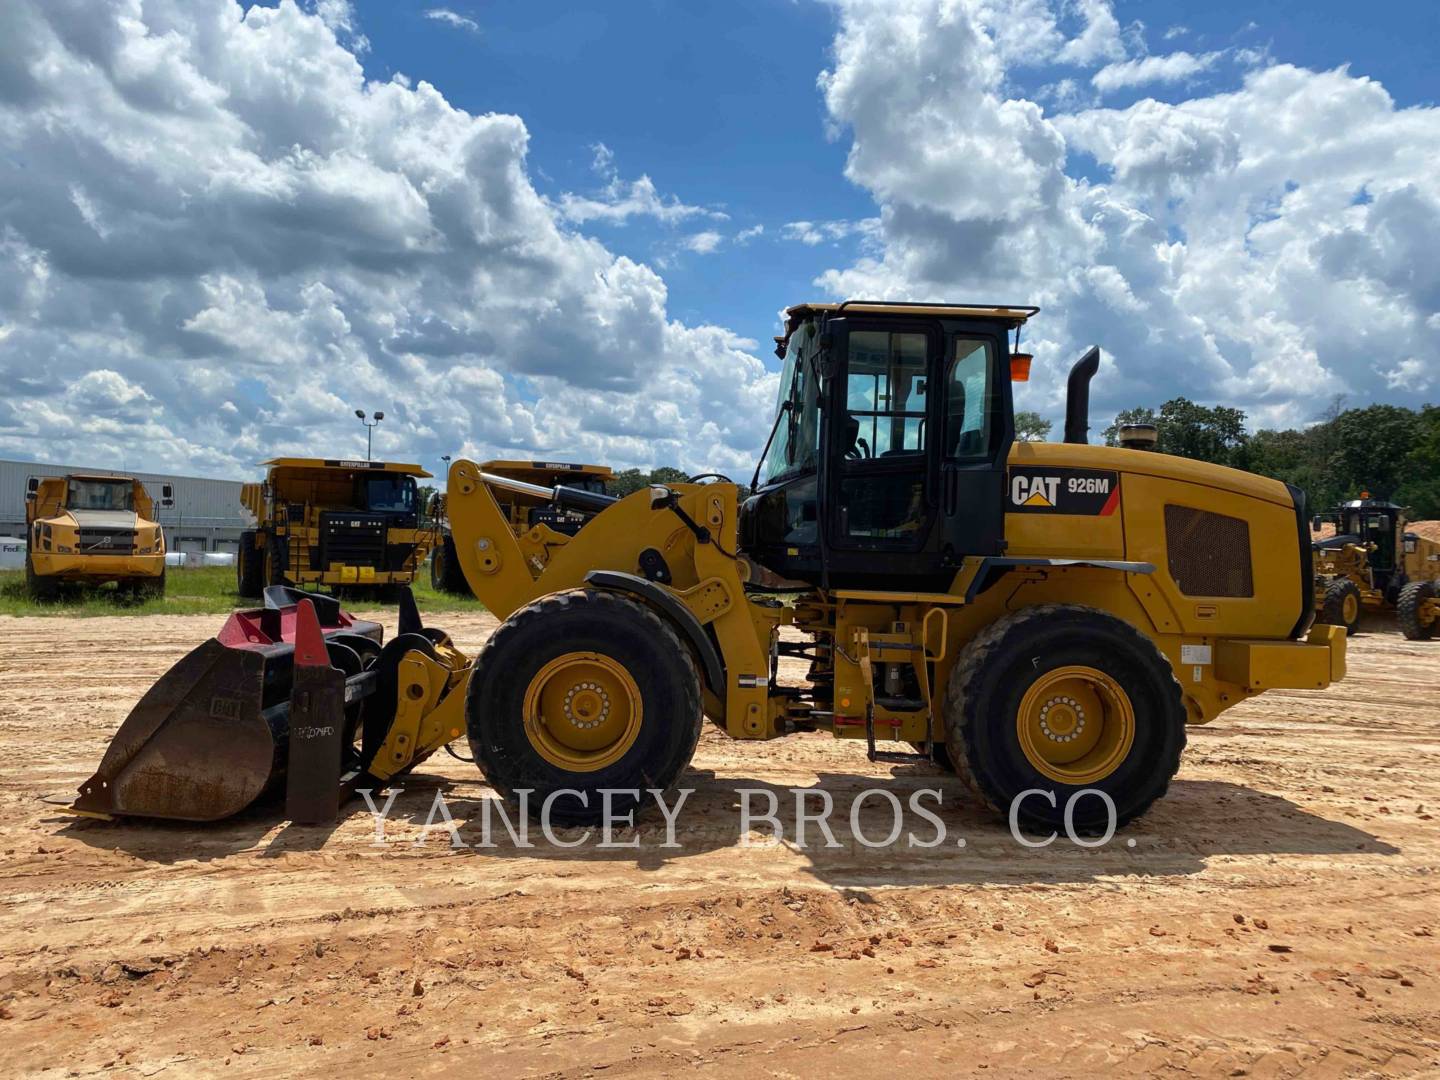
x=1409, y=607
x=1064, y=699
x=583, y=690
x=1342, y=605
x=249, y=569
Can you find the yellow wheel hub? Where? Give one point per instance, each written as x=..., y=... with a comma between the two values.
x=582, y=711
x=1076, y=725
x=1351, y=608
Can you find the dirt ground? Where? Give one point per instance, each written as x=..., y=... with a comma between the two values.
x=1277, y=913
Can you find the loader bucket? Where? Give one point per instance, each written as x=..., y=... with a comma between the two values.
x=212, y=735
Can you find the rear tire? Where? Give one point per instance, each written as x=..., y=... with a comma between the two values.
x=635, y=693
x=1038, y=686
x=249, y=567
x=1408, y=610
x=1342, y=605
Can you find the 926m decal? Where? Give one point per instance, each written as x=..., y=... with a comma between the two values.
x=1090, y=492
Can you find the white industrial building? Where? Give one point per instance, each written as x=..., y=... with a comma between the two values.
x=207, y=515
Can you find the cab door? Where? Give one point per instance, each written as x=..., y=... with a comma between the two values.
x=881, y=424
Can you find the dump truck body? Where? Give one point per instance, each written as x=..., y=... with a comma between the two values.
x=1044, y=619
x=333, y=523
x=92, y=529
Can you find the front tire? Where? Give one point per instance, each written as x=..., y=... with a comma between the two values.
x=584, y=690
x=1410, y=610
x=39, y=587
x=1342, y=605
x=1064, y=699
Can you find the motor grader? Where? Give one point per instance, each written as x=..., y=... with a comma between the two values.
x=1051, y=615
x=1373, y=563
x=524, y=511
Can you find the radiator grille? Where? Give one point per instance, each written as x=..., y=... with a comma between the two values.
x=1209, y=554
x=352, y=539
x=106, y=541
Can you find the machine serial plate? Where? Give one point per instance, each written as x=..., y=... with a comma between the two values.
x=1091, y=492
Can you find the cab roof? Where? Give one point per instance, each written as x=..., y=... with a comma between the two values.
x=501, y=465
x=346, y=465
x=1012, y=315
x=98, y=476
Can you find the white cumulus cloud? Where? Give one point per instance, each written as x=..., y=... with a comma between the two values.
x=1173, y=67
x=218, y=239
x=1267, y=247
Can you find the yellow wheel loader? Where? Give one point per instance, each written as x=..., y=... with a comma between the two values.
x=351, y=525
x=91, y=529
x=525, y=512
x=1373, y=563
x=1053, y=615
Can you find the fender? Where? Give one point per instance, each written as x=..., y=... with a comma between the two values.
x=679, y=615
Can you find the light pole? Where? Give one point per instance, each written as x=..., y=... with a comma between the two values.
x=369, y=428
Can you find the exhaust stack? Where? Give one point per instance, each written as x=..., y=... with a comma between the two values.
x=1077, y=396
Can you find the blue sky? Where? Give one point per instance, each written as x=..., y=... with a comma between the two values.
x=717, y=102
x=567, y=231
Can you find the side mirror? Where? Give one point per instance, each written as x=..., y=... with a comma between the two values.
x=167, y=494
x=660, y=496
x=1315, y=523
x=32, y=485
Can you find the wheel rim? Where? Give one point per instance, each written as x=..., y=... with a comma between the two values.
x=1076, y=725
x=1351, y=608
x=582, y=711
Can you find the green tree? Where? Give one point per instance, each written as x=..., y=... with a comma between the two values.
x=1205, y=433
x=1420, y=487
x=1030, y=426
x=1375, y=448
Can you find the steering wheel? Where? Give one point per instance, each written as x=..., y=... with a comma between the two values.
x=713, y=477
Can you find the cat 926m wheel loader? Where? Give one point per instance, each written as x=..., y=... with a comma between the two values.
x=1035, y=616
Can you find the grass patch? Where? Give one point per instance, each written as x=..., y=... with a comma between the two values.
x=208, y=590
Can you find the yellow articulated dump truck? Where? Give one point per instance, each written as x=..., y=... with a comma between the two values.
x=1043, y=619
x=333, y=523
x=91, y=529
x=526, y=512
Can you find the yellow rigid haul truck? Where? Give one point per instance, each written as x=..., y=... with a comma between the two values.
x=345, y=524
x=91, y=529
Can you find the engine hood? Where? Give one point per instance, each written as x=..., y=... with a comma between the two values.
x=1150, y=463
x=103, y=519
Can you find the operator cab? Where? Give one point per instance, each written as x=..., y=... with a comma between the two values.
x=99, y=493
x=393, y=494
x=1375, y=525
x=887, y=458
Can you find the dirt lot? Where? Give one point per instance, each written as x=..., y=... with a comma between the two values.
x=1277, y=914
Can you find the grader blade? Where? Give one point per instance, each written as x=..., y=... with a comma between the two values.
x=213, y=735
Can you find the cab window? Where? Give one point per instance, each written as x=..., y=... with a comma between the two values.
x=885, y=394
x=969, y=399
x=390, y=494
x=100, y=495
